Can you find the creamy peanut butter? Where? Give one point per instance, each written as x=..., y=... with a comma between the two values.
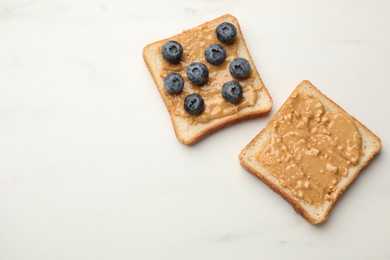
x=310, y=149
x=194, y=43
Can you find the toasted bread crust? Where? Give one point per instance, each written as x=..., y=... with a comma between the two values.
x=282, y=191
x=215, y=124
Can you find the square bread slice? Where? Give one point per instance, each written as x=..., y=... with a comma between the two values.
x=217, y=113
x=310, y=152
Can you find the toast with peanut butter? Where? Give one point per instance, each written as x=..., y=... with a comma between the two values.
x=207, y=78
x=310, y=152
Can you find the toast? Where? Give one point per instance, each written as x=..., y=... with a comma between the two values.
x=217, y=112
x=310, y=152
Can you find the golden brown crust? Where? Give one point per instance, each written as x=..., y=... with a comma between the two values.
x=221, y=124
x=296, y=205
x=281, y=192
x=215, y=124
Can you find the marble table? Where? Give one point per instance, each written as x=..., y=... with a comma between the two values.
x=90, y=167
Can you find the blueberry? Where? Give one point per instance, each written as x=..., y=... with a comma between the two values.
x=197, y=73
x=193, y=104
x=226, y=32
x=240, y=68
x=172, y=51
x=173, y=83
x=232, y=91
x=215, y=54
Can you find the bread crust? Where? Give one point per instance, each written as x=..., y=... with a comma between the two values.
x=215, y=124
x=295, y=203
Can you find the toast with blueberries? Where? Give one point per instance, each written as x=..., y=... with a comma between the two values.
x=310, y=152
x=207, y=78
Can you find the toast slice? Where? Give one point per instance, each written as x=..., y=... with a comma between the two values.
x=218, y=113
x=315, y=156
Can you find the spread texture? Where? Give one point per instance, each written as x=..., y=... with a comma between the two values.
x=310, y=149
x=194, y=43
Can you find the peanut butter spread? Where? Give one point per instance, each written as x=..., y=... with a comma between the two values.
x=310, y=149
x=194, y=43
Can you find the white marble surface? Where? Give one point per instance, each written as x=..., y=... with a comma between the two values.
x=90, y=167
